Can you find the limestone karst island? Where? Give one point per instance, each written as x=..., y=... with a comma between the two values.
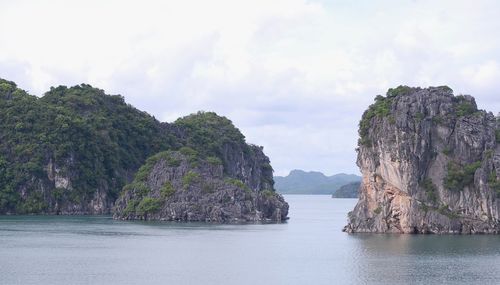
x=430, y=163
x=79, y=151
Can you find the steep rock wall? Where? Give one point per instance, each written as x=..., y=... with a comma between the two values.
x=430, y=163
x=181, y=186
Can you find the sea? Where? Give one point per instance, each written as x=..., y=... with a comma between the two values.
x=310, y=248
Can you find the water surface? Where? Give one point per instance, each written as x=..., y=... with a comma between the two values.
x=309, y=249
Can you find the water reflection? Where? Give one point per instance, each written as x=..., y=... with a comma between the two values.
x=426, y=259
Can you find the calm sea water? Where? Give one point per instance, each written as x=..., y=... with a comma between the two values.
x=309, y=249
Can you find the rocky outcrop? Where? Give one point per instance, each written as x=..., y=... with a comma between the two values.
x=215, y=177
x=430, y=163
x=182, y=186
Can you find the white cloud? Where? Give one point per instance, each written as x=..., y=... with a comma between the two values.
x=294, y=75
x=483, y=75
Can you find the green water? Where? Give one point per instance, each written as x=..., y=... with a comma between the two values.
x=309, y=249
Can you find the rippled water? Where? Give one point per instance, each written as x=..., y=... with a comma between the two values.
x=309, y=249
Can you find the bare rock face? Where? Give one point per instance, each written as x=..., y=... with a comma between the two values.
x=182, y=186
x=430, y=163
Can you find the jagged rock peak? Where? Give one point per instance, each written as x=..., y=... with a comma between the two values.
x=430, y=163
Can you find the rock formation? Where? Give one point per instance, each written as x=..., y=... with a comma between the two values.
x=430, y=163
x=182, y=186
x=72, y=150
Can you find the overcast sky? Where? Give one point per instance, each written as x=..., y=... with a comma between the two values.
x=294, y=76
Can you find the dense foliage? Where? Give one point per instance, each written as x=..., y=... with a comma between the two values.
x=77, y=146
x=464, y=107
x=381, y=108
x=208, y=133
x=96, y=140
x=458, y=177
x=400, y=90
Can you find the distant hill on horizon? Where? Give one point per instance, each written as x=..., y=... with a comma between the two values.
x=350, y=190
x=312, y=182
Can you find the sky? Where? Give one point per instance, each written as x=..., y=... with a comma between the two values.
x=294, y=76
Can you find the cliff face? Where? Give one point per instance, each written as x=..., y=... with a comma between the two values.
x=430, y=163
x=215, y=177
x=183, y=186
x=216, y=136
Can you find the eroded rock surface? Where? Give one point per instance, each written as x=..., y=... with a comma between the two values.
x=181, y=186
x=430, y=163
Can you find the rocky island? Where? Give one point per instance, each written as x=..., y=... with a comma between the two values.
x=78, y=150
x=430, y=163
x=215, y=179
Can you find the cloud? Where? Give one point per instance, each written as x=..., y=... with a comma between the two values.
x=294, y=75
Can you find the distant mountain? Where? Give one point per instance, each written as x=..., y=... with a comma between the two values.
x=312, y=182
x=350, y=190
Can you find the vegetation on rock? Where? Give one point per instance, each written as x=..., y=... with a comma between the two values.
x=430, y=190
x=434, y=156
x=90, y=139
x=400, y=90
x=381, y=108
x=207, y=133
x=167, y=190
x=464, y=107
x=148, y=205
x=194, y=193
x=190, y=178
x=458, y=177
x=494, y=183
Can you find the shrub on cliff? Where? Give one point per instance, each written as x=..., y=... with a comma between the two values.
x=494, y=183
x=458, y=177
x=381, y=108
x=430, y=189
x=148, y=205
x=464, y=107
x=400, y=90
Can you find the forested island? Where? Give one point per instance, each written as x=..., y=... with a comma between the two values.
x=77, y=150
x=312, y=182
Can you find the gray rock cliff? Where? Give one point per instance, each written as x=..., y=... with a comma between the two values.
x=182, y=186
x=430, y=163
